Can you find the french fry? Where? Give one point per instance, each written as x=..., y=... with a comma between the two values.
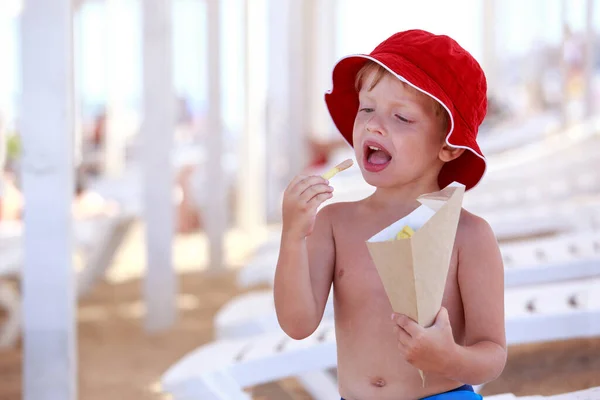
x=408, y=230
x=338, y=168
x=401, y=235
x=405, y=233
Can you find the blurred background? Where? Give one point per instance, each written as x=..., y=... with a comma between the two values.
x=182, y=135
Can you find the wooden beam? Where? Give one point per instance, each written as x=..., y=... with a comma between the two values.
x=49, y=305
x=160, y=286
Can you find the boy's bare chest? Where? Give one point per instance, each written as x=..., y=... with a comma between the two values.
x=355, y=271
x=356, y=278
x=351, y=248
x=351, y=236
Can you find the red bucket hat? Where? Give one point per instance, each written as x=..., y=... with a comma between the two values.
x=437, y=66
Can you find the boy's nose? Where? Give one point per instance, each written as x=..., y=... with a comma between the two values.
x=374, y=126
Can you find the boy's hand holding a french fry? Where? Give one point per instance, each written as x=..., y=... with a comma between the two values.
x=301, y=200
x=303, y=197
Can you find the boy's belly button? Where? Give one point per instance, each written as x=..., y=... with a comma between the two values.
x=378, y=382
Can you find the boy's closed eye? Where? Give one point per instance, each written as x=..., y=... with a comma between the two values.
x=403, y=119
x=398, y=116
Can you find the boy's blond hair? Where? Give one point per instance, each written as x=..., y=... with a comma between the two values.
x=379, y=72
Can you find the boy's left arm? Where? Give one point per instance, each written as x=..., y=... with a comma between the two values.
x=481, y=283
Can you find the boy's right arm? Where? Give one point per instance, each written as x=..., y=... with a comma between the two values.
x=306, y=257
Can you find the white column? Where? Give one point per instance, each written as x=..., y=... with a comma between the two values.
x=216, y=205
x=589, y=59
x=300, y=59
x=564, y=66
x=157, y=141
x=251, y=174
x=277, y=109
x=49, y=307
x=77, y=93
x=490, y=57
x=2, y=154
x=116, y=133
x=324, y=45
x=290, y=82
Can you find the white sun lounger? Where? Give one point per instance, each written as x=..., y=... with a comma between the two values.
x=534, y=191
x=567, y=256
x=556, y=259
x=564, y=258
x=573, y=257
x=224, y=368
x=546, y=172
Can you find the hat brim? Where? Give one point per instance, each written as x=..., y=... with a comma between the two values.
x=342, y=103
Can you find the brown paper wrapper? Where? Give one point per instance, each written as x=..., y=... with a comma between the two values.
x=414, y=270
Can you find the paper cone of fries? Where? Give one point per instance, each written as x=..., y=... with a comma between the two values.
x=414, y=269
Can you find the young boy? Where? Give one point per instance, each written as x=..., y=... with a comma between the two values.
x=411, y=109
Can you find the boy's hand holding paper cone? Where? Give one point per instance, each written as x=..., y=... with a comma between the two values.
x=413, y=267
x=427, y=349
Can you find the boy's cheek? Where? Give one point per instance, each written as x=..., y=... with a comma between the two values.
x=356, y=129
x=359, y=157
x=408, y=155
x=356, y=138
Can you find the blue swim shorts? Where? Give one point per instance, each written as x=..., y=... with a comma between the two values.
x=465, y=392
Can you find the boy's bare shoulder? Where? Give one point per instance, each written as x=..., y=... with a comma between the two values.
x=473, y=230
x=340, y=210
x=477, y=247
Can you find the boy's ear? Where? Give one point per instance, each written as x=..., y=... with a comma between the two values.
x=449, y=153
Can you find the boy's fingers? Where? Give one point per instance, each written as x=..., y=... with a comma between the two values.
x=305, y=183
x=407, y=324
x=403, y=337
x=442, y=317
x=297, y=179
x=318, y=199
x=314, y=191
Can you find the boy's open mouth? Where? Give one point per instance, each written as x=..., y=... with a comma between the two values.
x=376, y=157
